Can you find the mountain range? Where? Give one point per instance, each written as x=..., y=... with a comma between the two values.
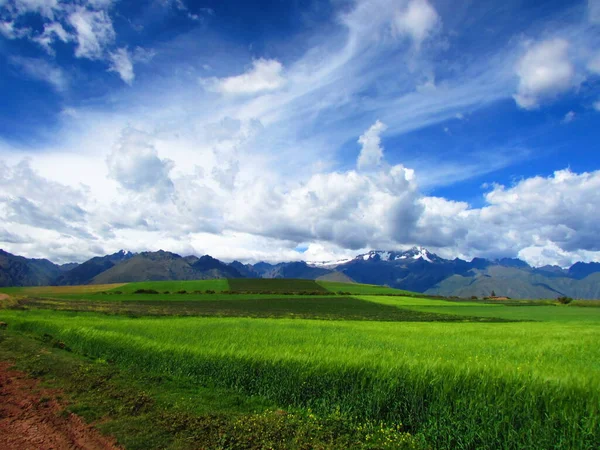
x=415, y=270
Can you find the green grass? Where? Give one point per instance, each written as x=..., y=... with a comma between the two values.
x=416, y=301
x=274, y=285
x=306, y=307
x=361, y=289
x=143, y=411
x=442, y=368
x=60, y=291
x=556, y=313
x=174, y=286
x=462, y=385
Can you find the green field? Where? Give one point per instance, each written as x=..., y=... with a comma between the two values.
x=360, y=289
x=274, y=285
x=399, y=372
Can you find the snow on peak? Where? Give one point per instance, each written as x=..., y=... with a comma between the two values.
x=383, y=255
x=415, y=253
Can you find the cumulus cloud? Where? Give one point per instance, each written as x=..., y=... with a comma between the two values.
x=121, y=63
x=39, y=69
x=544, y=72
x=134, y=163
x=371, y=152
x=545, y=212
x=31, y=200
x=418, y=20
x=351, y=210
x=265, y=75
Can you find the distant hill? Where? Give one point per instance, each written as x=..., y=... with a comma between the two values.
x=245, y=270
x=85, y=272
x=416, y=269
x=162, y=266
x=299, y=270
x=19, y=271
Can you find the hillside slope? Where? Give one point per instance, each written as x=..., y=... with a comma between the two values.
x=19, y=271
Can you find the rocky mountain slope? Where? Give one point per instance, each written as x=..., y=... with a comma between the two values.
x=416, y=269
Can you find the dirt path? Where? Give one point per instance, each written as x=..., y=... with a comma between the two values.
x=30, y=418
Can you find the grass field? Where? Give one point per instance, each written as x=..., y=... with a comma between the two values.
x=452, y=380
x=174, y=286
x=360, y=289
x=274, y=285
x=269, y=306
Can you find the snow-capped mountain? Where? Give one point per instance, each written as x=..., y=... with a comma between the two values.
x=407, y=256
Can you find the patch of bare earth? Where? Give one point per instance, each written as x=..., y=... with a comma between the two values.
x=30, y=418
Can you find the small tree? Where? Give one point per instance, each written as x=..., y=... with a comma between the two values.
x=564, y=300
x=493, y=293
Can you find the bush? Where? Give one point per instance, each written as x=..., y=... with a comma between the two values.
x=564, y=300
x=166, y=292
x=183, y=291
x=146, y=291
x=474, y=297
x=209, y=291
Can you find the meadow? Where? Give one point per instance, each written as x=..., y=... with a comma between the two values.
x=433, y=373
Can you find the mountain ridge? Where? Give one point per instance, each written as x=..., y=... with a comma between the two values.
x=416, y=269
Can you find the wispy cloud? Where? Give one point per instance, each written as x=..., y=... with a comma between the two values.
x=39, y=69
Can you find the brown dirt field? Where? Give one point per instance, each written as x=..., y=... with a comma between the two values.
x=4, y=297
x=31, y=419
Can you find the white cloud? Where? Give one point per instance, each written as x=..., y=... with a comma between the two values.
x=371, y=152
x=45, y=8
x=594, y=64
x=569, y=117
x=134, y=163
x=545, y=71
x=32, y=201
x=596, y=105
x=418, y=20
x=231, y=185
x=265, y=75
x=121, y=63
x=94, y=32
x=41, y=70
x=52, y=31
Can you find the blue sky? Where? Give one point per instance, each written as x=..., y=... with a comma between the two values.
x=251, y=130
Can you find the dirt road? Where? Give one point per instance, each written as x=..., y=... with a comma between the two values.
x=30, y=418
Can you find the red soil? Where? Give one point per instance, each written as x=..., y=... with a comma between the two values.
x=30, y=418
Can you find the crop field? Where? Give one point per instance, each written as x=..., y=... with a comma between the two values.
x=358, y=289
x=327, y=371
x=274, y=285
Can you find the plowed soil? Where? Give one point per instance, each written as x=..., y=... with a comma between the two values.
x=32, y=418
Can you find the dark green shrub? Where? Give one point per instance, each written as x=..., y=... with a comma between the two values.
x=146, y=291
x=564, y=300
